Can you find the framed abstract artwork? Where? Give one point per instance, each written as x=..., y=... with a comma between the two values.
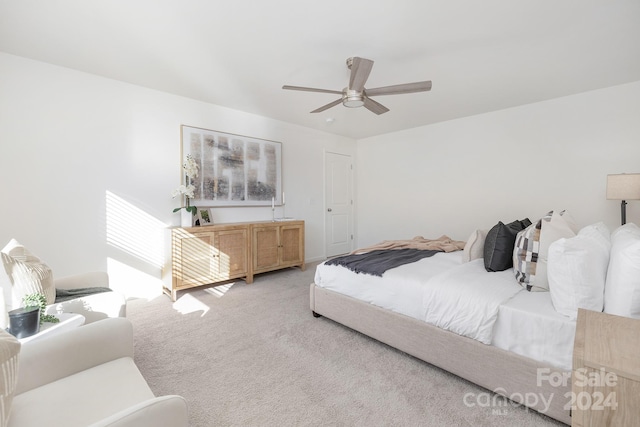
x=233, y=170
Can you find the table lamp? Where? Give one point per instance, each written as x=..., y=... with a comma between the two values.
x=624, y=186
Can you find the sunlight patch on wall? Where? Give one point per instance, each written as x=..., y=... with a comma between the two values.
x=190, y=304
x=131, y=282
x=134, y=231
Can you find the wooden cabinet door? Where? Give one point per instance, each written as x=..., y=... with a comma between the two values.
x=291, y=245
x=195, y=263
x=230, y=253
x=266, y=242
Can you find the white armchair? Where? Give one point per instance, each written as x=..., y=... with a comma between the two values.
x=87, y=377
x=22, y=273
x=92, y=307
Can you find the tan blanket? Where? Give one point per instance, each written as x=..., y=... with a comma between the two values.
x=442, y=243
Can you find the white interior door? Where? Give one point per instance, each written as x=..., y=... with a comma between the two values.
x=338, y=204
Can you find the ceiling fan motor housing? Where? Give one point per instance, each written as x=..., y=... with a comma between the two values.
x=349, y=62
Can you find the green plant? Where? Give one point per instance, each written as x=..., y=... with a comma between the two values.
x=39, y=300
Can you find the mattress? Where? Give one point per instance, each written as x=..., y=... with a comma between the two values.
x=525, y=322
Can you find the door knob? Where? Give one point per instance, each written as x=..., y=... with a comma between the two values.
x=329, y=210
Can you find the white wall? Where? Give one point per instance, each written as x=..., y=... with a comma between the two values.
x=453, y=177
x=73, y=144
x=84, y=159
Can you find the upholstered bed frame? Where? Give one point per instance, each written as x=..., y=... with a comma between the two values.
x=506, y=373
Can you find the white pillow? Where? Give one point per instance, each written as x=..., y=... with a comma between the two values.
x=474, y=248
x=577, y=270
x=9, y=350
x=27, y=274
x=622, y=289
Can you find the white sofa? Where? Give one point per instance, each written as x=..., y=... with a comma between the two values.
x=87, y=377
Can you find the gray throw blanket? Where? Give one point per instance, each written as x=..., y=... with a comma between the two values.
x=377, y=262
x=67, y=294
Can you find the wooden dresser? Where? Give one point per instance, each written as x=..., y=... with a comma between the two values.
x=217, y=253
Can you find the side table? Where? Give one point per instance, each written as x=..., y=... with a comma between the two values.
x=67, y=321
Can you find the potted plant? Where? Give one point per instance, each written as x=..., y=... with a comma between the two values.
x=25, y=321
x=40, y=301
x=187, y=189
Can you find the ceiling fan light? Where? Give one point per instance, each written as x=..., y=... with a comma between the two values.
x=352, y=99
x=353, y=103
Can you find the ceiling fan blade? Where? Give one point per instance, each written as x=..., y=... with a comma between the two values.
x=329, y=105
x=397, y=89
x=360, y=70
x=311, y=89
x=374, y=107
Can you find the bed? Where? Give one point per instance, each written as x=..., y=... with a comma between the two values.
x=483, y=327
x=510, y=328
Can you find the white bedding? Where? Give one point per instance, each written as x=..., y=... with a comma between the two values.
x=465, y=299
x=528, y=325
x=400, y=289
x=495, y=309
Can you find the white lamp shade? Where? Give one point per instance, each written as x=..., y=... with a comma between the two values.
x=624, y=186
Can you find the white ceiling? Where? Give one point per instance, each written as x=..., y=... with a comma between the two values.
x=481, y=55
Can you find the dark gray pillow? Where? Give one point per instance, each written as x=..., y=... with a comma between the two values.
x=498, y=247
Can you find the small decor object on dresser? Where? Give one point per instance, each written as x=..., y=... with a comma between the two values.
x=204, y=217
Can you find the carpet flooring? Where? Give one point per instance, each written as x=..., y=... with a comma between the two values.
x=253, y=355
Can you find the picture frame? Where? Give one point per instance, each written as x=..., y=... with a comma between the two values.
x=233, y=170
x=204, y=217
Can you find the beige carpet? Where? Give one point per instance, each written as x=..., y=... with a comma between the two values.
x=253, y=355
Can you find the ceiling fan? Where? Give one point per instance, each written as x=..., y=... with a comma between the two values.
x=355, y=95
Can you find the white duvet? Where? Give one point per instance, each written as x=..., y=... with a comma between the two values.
x=440, y=290
x=399, y=289
x=466, y=299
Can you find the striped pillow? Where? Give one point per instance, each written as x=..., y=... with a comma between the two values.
x=526, y=252
x=532, y=247
x=27, y=274
x=9, y=349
